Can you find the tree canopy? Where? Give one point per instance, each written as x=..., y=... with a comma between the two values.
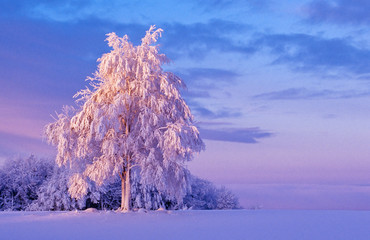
x=131, y=118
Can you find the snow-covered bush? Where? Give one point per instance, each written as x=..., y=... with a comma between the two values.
x=205, y=195
x=19, y=181
x=53, y=193
x=38, y=184
x=226, y=199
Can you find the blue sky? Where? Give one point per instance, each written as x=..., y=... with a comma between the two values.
x=280, y=89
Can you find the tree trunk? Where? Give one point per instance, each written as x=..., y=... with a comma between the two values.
x=126, y=190
x=125, y=178
x=122, y=176
x=127, y=205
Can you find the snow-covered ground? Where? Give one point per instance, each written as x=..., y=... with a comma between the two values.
x=233, y=224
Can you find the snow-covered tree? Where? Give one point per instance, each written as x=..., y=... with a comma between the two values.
x=19, y=181
x=133, y=118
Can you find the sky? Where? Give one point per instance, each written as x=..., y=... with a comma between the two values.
x=280, y=90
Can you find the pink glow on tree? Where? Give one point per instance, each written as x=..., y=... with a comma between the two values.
x=133, y=117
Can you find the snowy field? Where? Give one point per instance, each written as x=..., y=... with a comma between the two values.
x=233, y=224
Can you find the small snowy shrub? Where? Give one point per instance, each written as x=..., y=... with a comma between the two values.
x=205, y=195
x=226, y=199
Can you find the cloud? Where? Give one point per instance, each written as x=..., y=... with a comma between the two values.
x=54, y=10
x=305, y=94
x=329, y=116
x=195, y=94
x=57, y=57
x=51, y=10
x=198, y=39
x=242, y=135
x=313, y=53
x=339, y=11
x=214, y=123
x=194, y=40
x=209, y=114
x=195, y=74
x=207, y=78
x=125, y=11
x=216, y=5
x=201, y=82
x=200, y=110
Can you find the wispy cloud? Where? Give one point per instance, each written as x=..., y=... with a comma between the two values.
x=242, y=135
x=206, y=113
x=311, y=53
x=202, y=83
x=305, y=94
x=339, y=11
x=195, y=94
x=198, y=39
x=212, y=5
x=60, y=11
x=194, y=75
x=72, y=10
x=194, y=40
